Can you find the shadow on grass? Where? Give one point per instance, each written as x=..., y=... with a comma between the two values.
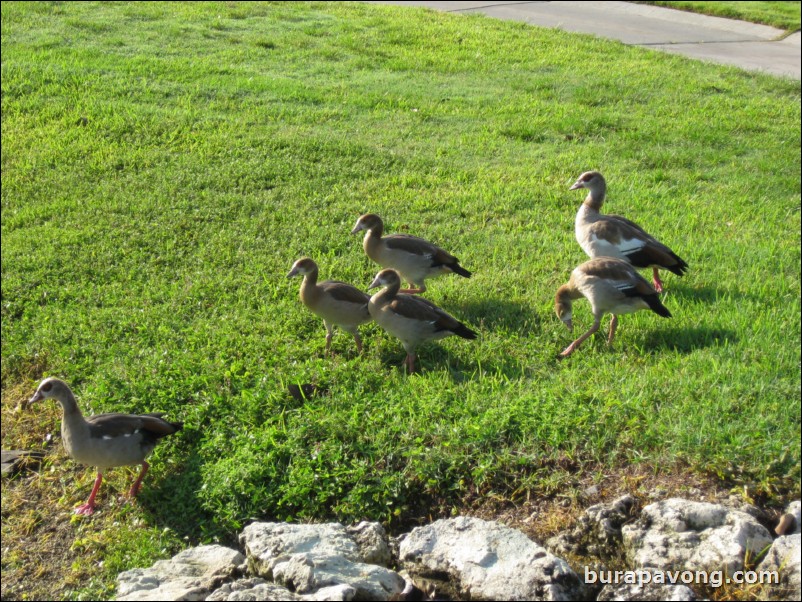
x=176, y=501
x=687, y=339
x=500, y=315
x=679, y=293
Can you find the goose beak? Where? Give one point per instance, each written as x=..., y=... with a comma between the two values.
x=293, y=272
x=576, y=185
x=357, y=228
x=36, y=397
x=375, y=283
x=569, y=324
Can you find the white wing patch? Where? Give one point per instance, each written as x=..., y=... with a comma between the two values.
x=604, y=248
x=632, y=245
x=110, y=437
x=621, y=285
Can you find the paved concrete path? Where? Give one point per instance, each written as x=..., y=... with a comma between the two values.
x=727, y=41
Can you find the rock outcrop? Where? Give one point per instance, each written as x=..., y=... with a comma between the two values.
x=677, y=534
x=664, y=547
x=784, y=558
x=190, y=575
x=483, y=560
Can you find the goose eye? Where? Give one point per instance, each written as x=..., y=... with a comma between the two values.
x=46, y=387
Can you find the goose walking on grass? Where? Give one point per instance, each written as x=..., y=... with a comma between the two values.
x=336, y=302
x=415, y=259
x=612, y=286
x=105, y=440
x=615, y=236
x=413, y=320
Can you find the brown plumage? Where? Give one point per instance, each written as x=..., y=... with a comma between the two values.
x=415, y=259
x=612, y=286
x=411, y=319
x=336, y=302
x=105, y=440
x=615, y=236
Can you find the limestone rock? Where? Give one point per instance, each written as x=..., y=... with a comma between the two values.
x=680, y=534
x=251, y=590
x=309, y=572
x=646, y=592
x=307, y=558
x=487, y=561
x=784, y=558
x=597, y=532
x=268, y=544
x=247, y=590
x=371, y=539
x=190, y=575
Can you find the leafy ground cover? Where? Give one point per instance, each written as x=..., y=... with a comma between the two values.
x=164, y=164
x=784, y=15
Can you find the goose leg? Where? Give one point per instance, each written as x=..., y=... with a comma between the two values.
x=358, y=341
x=573, y=346
x=658, y=284
x=89, y=507
x=613, y=326
x=138, y=483
x=414, y=291
x=410, y=362
x=329, y=336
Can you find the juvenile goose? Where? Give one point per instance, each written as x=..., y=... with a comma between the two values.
x=105, y=440
x=615, y=236
x=413, y=258
x=336, y=302
x=612, y=286
x=411, y=319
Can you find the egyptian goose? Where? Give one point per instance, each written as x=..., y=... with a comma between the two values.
x=336, y=302
x=615, y=236
x=612, y=286
x=412, y=257
x=411, y=319
x=105, y=440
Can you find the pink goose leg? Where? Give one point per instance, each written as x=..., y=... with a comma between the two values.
x=89, y=507
x=658, y=284
x=138, y=483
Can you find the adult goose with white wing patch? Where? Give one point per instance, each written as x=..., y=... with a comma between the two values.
x=105, y=440
x=612, y=286
x=615, y=236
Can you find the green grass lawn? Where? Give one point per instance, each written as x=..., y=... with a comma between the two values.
x=784, y=15
x=164, y=164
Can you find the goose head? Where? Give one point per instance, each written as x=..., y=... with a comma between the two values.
x=386, y=277
x=563, y=307
x=369, y=221
x=52, y=388
x=302, y=267
x=593, y=181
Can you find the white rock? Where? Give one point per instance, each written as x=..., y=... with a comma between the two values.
x=190, y=575
x=246, y=590
x=641, y=585
x=308, y=573
x=487, y=561
x=308, y=558
x=784, y=558
x=680, y=534
x=371, y=539
x=267, y=544
x=598, y=530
